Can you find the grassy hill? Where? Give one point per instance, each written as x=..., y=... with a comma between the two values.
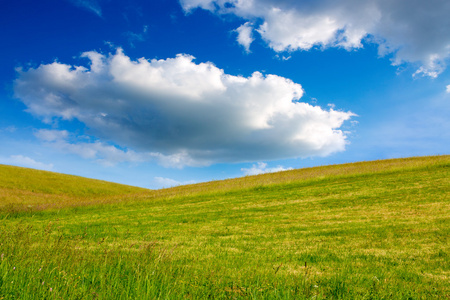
x=29, y=189
x=369, y=230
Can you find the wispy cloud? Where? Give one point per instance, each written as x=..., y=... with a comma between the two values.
x=9, y=129
x=107, y=155
x=163, y=182
x=25, y=161
x=134, y=37
x=90, y=5
x=261, y=168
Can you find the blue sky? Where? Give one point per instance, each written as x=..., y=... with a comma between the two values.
x=160, y=93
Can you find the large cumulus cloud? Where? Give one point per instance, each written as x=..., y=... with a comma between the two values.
x=181, y=112
x=414, y=31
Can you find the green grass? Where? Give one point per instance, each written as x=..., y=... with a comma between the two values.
x=371, y=230
x=28, y=189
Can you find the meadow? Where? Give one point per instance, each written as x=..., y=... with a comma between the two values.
x=369, y=230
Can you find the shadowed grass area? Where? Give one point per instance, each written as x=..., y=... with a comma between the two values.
x=372, y=230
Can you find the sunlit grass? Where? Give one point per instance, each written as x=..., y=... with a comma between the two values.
x=376, y=230
x=28, y=189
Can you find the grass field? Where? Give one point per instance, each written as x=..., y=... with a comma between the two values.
x=369, y=230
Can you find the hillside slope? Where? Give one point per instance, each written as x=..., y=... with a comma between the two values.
x=306, y=174
x=23, y=189
x=370, y=230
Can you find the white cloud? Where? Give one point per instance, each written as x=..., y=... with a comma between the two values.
x=414, y=31
x=261, y=168
x=178, y=160
x=188, y=5
x=109, y=155
x=163, y=182
x=245, y=35
x=448, y=88
x=104, y=154
x=25, y=161
x=181, y=112
x=51, y=135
